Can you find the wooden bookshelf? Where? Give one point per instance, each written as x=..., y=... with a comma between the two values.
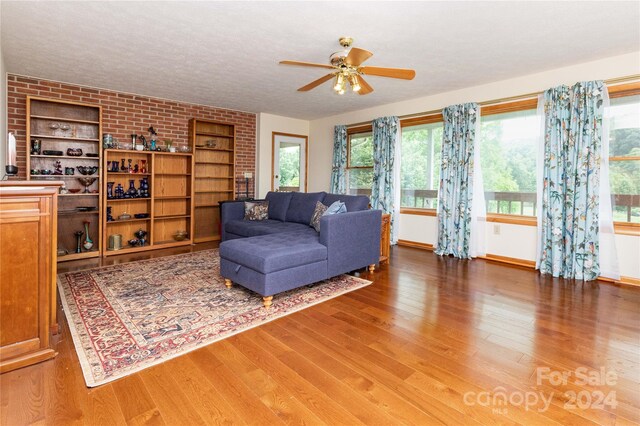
x=59, y=125
x=169, y=204
x=214, y=174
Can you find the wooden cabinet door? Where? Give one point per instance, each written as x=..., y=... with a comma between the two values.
x=25, y=276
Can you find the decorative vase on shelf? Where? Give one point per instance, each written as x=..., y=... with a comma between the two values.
x=109, y=215
x=132, y=192
x=88, y=242
x=110, y=189
x=78, y=234
x=119, y=193
x=143, y=191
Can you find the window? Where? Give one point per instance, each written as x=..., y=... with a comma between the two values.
x=508, y=152
x=360, y=162
x=624, y=157
x=420, y=165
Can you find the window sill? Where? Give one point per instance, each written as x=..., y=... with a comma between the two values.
x=624, y=228
x=418, y=212
x=621, y=228
x=512, y=219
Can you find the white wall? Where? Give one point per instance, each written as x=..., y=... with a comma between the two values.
x=267, y=124
x=515, y=241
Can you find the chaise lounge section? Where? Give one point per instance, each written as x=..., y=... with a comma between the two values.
x=284, y=252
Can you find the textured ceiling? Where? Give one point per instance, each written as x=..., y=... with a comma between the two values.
x=226, y=53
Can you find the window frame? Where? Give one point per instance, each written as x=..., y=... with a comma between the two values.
x=621, y=91
x=502, y=108
x=416, y=121
x=351, y=131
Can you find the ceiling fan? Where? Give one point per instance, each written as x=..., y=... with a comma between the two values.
x=346, y=67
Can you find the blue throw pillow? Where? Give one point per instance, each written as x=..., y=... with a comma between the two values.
x=354, y=202
x=335, y=208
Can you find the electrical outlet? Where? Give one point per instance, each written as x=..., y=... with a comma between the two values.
x=496, y=229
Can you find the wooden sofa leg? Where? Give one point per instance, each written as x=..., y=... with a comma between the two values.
x=228, y=282
x=266, y=300
x=372, y=267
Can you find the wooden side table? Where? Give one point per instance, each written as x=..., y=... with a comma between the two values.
x=385, y=238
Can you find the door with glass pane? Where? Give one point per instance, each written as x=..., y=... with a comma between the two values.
x=289, y=171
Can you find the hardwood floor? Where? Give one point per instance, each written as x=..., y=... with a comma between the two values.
x=422, y=345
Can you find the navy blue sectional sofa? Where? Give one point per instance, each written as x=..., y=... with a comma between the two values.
x=284, y=252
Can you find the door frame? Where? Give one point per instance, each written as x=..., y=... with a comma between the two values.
x=306, y=156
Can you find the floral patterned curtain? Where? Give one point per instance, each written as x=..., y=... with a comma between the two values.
x=455, y=195
x=339, y=166
x=383, y=195
x=569, y=209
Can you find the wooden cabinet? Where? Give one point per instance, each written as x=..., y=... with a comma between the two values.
x=168, y=206
x=68, y=128
x=27, y=272
x=214, y=170
x=385, y=238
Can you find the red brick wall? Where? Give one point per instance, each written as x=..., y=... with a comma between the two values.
x=124, y=114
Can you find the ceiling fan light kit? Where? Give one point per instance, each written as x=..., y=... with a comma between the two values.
x=346, y=66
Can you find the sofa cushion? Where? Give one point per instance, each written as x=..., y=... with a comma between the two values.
x=278, y=204
x=354, y=203
x=251, y=228
x=317, y=214
x=335, y=208
x=271, y=253
x=256, y=210
x=302, y=206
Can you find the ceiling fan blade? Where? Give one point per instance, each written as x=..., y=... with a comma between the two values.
x=357, y=56
x=307, y=64
x=365, y=88
x=316, y=83
x=403, y=73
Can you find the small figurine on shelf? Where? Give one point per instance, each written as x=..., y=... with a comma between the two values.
x=36, y=146
x=109, y=216
x=141, y=234
x=169, y=145
x=154, y=137
x=58, y=168
x=143, y=140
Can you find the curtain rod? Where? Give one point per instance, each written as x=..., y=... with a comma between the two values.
x=611, y=81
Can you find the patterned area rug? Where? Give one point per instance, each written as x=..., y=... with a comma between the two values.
x=127, y=317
